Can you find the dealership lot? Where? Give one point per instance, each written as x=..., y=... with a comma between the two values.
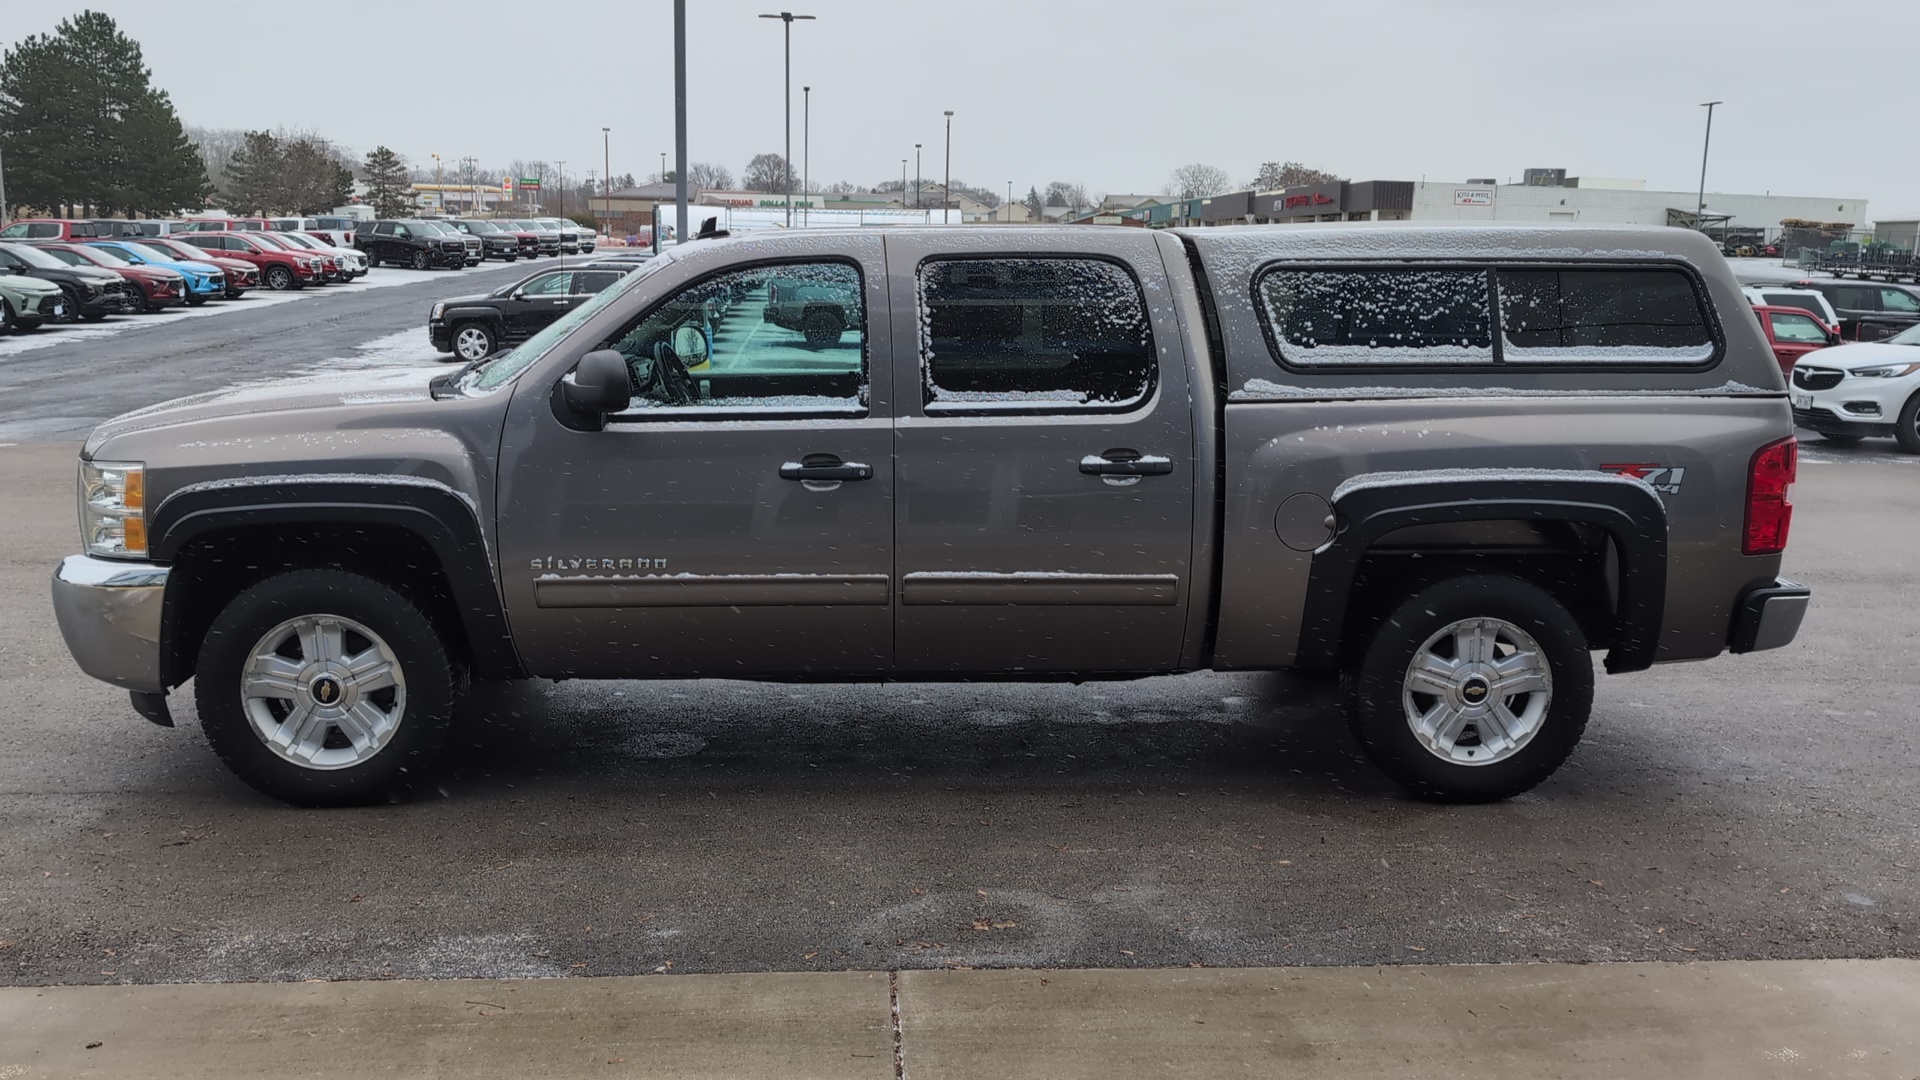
x=1757, y=807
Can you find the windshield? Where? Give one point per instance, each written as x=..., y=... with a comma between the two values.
x=33, y=256
x=504, y=367
x=298, y=241
x=1909, y=336
x=151, y=254
x=106, y=257
x=437, y=227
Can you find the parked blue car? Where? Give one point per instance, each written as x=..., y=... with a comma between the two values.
x=204, y=280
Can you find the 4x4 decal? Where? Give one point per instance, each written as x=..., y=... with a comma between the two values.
x=1663, y=478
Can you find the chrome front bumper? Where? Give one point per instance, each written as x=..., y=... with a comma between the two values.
x=109, y=613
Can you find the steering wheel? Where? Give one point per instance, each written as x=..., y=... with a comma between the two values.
x=671, y=376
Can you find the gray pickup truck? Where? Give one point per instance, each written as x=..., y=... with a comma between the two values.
x=1443, y=464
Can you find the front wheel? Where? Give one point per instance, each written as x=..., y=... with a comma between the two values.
x=422, y=261
x=1474, y=690
x=1841, y=440
x=473, y=341
x=1907, y=431
x=325, y=688
x=196, y=299
x=279, y=278
x=6, y=315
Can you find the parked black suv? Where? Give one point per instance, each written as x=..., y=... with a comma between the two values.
x=1868, y=310
x=410, y=242
x=472, y=327
x=92, y=293
x=495, y=242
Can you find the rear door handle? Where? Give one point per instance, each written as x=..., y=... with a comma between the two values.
x=1125, y=463
x=825, y=467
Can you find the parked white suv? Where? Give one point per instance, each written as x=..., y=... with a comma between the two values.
x=1781, y=296
x=1850, y=392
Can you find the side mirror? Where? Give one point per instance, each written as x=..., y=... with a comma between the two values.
x=690, y=345
x=598, y=385
x=517, y=294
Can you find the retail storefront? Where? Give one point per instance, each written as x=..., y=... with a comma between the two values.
x=1335, y=200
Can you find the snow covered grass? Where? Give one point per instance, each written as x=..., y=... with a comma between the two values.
x=383, y=278
x=401, y=349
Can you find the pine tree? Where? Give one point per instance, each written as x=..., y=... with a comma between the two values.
x=1035, y=208
x=82, y=125
x=311, y=177
x=389, y=185
x=256, y=176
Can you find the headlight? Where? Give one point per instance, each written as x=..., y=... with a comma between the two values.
x=1885, y=371
x=113, y=508
x=438, y=310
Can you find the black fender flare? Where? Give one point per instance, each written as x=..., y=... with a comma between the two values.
x=454, y=316
x=447, y=522
x=1369, y=507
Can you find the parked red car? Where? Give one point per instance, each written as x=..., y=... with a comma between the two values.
x=52, y=229
x=159, y=288
x=279, y=268
x=330, y=268
x=242, y=276
x=1793, y=333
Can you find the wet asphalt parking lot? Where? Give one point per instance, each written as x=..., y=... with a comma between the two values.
x=1756, y=806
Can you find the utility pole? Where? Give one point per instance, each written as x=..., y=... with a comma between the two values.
x=606, y=163
x=903, y=183
x=439, y=190
x=679, y=116
x=562, y=166
x=806, y=153
x=1700, y=208
x=786, y=19
x=946, y=186
x=1009, y=203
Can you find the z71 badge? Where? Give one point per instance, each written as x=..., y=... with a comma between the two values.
x=1663, y=478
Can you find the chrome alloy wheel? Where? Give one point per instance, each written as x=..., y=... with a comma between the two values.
x=1477, y=691
x=472, y=343
x=323, y=692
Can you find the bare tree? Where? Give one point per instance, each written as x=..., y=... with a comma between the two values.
x=707, y=176
x=1198, y=181
x=841, y=187
x=1072, y=196
x=766, y=172
x=1275, y=175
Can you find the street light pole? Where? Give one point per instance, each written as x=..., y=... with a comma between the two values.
x=679, y=121
x=903, y=183
x=916, y=176
x=786, y=167
x=1009, y=214
x=562, y=165
x=946, y=186
x=1700, y=208
x=439, y=190
x=806, y=150
x=606, y=174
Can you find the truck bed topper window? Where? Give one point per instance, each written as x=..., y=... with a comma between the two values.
x=1442, y=317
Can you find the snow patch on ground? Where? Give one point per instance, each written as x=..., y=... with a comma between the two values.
x=401, y=349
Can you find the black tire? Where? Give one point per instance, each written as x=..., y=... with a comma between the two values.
x=23, y=325
x=6, y=315
x=1379, y=712
x=196, y=299
x=72, y=293
x=822, y=326
x=1907, y=431
x=1841, y=440
x=281, y=279
x=432, y=682
x=422, y=261
x=372, y=260
x=472, y=341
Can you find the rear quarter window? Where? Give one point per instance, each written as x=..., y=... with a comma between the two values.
x=1450, y=318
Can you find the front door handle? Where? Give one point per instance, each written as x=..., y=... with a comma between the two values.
x=825, y=467
x=1125, y=463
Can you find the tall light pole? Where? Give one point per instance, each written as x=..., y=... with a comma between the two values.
x=1009, y=213
x=806, y=149
x=916, y=176
x=786, y=19
x=946, y=186
x=1700, y=209
x=562, y=165
x=679, y=120
x=439, y=192
x=606, y=172
x=663, y=166
x=903, y=183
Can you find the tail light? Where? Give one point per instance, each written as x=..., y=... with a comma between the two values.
x=1769, y=512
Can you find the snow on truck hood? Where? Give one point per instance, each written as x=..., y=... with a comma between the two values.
x=348, y=389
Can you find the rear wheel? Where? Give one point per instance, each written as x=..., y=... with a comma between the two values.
x=372, y=260
x=1907, y=431
x=1475, y=689
x=325, y=688
x=822, y=326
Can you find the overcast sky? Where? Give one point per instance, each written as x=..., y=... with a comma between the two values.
x=1114, y=95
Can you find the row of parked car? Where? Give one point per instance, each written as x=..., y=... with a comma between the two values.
x=1852, y=372
x=422, y=243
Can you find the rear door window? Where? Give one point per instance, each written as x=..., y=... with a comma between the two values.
x=1856, y=297
x=1630, y=314
x=1338, y=318
x=1034, y=335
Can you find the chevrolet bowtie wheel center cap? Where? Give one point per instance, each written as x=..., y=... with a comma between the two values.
x=326, y=690
x=1474, y=691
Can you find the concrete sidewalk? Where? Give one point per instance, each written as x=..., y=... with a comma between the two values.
x=1842, y=1018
